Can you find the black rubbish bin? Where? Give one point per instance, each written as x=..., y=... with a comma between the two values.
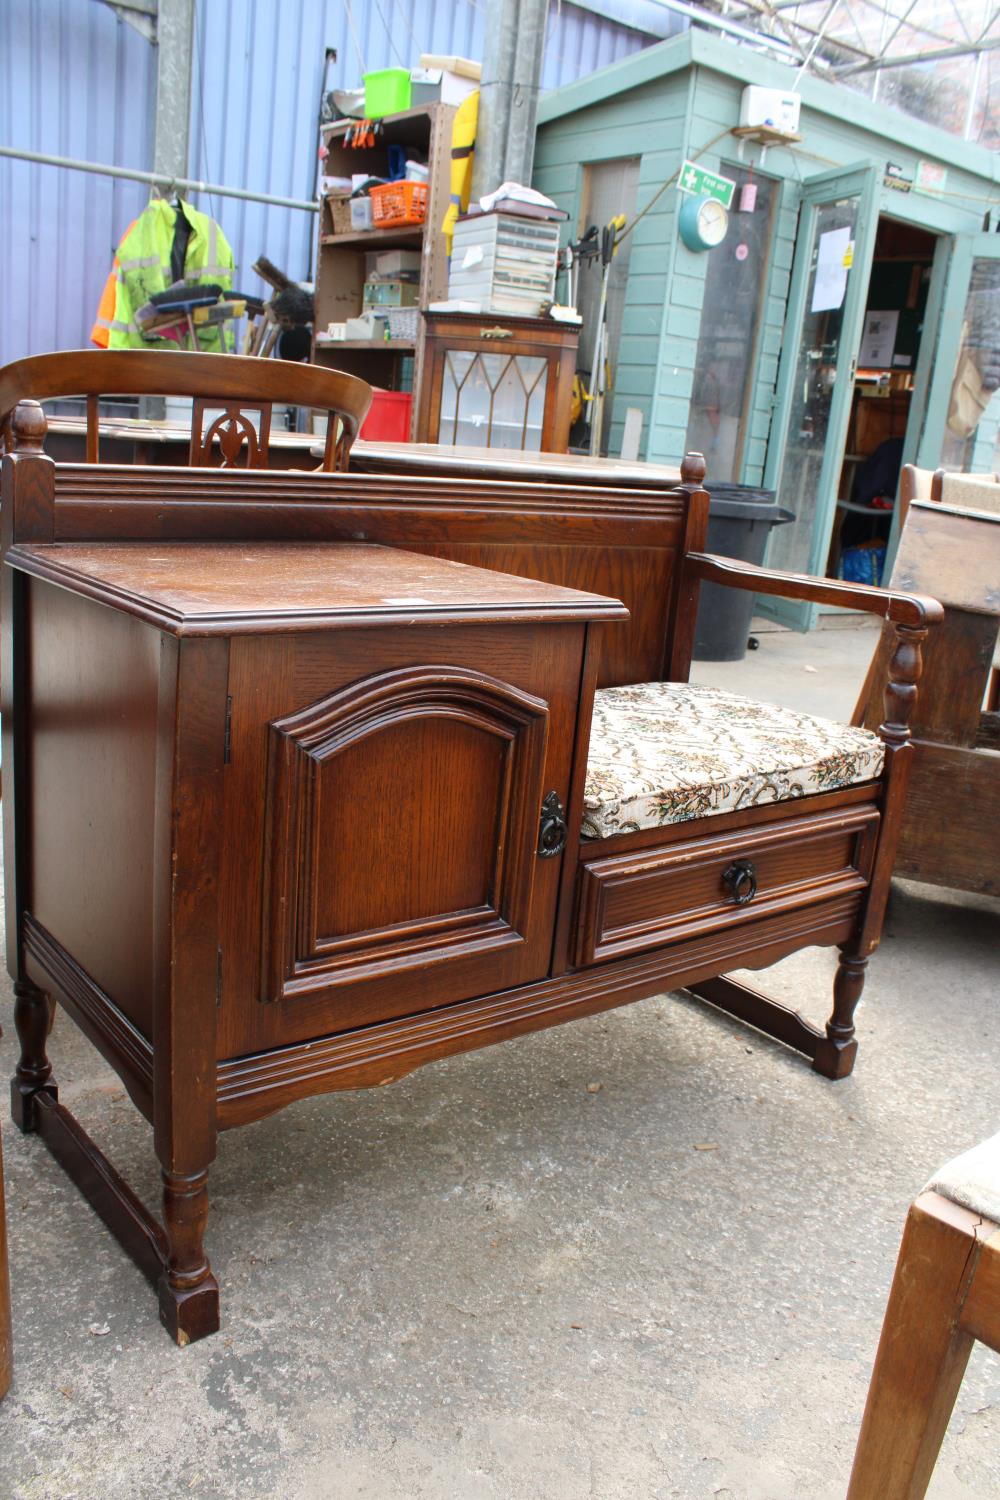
x=740, y=518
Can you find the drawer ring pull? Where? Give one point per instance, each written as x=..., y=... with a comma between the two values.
x=740, y=880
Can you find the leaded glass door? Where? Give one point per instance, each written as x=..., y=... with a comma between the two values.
x=493, y=400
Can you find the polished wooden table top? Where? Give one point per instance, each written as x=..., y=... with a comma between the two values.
x=495, y=463
x=208, y=588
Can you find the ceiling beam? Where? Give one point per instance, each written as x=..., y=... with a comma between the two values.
x=962, y=49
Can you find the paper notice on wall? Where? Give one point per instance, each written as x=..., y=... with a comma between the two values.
x=831, y=270
x=878, y=340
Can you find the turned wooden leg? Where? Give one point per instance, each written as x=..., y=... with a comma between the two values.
x=188, y=1292
x=34, y=1071
x=921, y=1358
x=836, y=1052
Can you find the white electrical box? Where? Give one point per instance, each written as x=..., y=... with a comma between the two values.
x=771, y=107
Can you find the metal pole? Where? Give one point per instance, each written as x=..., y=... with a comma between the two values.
x=174, y=32
x=155, y=179
x=970, y=113
x=527, y=83
x=508, y=93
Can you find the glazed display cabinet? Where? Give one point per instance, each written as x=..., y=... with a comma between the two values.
x=492, y=382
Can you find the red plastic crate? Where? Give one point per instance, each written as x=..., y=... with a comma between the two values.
x=388, y=419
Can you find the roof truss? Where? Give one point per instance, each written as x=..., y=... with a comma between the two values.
x=842, y=37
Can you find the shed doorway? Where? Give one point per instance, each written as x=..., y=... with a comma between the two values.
x=609, y=189
x=849, y=328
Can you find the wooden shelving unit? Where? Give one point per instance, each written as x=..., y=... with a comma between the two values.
x=400, y=346
x=340, y=259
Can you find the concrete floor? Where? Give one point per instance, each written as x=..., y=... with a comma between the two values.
x=492, y=1282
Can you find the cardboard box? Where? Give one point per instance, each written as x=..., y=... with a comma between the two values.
x=392, y=263
x=444, y=80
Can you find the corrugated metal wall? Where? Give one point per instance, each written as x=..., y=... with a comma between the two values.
x=76, y=81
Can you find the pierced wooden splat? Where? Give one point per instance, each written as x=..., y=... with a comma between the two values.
x=234, y=432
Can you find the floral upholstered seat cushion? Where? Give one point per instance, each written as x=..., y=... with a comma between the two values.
x=664, y=752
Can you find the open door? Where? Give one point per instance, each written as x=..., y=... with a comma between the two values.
x=833, y=255
x=961, y=427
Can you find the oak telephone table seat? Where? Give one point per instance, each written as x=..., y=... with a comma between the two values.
x=293, y=802
x=331, y=685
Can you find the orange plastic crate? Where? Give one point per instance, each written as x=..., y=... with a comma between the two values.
x=398, y=203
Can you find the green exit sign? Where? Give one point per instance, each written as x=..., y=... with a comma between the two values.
x=704, y=184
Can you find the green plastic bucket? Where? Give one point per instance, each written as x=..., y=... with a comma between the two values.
x=387, y=91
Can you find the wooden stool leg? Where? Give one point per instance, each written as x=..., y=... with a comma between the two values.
x=835, y=1054
x=921, y=1357
x=32, y=1019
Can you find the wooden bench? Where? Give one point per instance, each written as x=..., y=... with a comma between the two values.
x=300, y=777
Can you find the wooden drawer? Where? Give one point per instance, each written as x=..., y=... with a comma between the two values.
x=629, y=902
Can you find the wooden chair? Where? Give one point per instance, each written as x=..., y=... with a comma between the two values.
x=945, y=1295
x=963, y=492
x=317, y=778
x=245, y=389
x=948, y=832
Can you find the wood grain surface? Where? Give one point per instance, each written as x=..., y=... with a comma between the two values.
x=199, y=588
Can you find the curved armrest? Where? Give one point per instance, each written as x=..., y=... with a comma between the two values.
x=902, y=609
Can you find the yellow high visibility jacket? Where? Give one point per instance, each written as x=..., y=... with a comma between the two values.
x=143, y=267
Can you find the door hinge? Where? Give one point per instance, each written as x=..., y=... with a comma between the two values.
x=227, y=742
x=218, y=977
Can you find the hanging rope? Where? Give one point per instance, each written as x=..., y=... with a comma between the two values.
x=354, y=35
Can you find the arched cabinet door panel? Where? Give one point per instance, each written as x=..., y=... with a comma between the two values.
x=399, y=842
x=401, y=826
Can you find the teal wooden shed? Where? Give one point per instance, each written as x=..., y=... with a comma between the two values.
x=847, y=319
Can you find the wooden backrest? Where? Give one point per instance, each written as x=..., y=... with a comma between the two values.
x=232, y=397
x=964, y=491
x=627, y=544
x=970, y=492
x=954, y=555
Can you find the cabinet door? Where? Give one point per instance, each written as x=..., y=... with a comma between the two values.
x=399, y=836
x=493, y=399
